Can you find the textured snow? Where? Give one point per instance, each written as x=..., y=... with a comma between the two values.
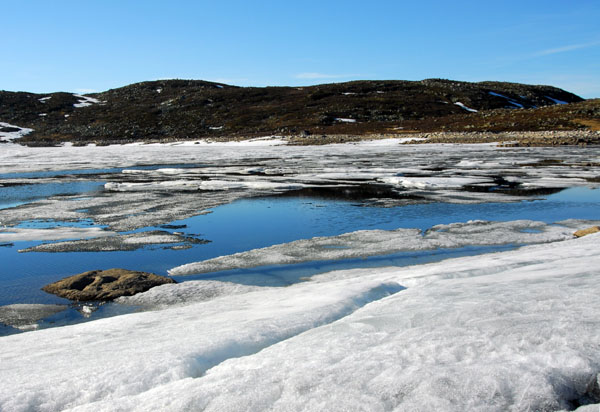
x=366, y=243
x=185, y=293
x=515, y=331
x=465, y=107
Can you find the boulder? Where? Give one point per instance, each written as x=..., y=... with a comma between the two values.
x=588, y=231
x=105, y=284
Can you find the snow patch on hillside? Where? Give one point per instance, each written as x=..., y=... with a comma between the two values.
x=10, y=132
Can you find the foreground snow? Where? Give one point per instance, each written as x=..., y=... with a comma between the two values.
x=515, y=330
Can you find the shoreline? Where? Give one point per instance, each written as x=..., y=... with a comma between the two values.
x=545, y=138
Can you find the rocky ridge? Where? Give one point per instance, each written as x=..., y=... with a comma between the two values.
x=170, y=110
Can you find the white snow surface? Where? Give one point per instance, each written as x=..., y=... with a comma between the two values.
x=9, y=136
x=514, y=331
x=85, y=101
x=465, y=107
x=345, y=120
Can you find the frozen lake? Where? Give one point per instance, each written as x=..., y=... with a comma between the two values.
x=229, y=199
x=311, y=277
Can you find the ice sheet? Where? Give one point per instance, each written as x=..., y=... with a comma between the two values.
x=366, y=243
x=508, y=331
x=223, y=173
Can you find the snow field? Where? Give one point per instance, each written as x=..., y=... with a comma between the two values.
x=513, y=331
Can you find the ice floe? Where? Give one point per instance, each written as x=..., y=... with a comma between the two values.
x=515, y=330
x=24, y=316
x=113, y=242
x=223, y=173
x=15, y=234
x=366, y=243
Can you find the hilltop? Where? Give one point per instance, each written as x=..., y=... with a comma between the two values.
x=192, y=109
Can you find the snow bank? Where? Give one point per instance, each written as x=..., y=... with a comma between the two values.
x=366, y=243
x=185, y=293
x=515, y=330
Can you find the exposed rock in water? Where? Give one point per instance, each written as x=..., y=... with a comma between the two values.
x=105, y=284
x=588, y=231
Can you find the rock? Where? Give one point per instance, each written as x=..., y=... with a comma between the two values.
x=588, y=231
x=105, y=284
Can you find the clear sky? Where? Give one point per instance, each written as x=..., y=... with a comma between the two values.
x=85, y=46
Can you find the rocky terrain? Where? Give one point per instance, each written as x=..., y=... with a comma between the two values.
x=169, y=110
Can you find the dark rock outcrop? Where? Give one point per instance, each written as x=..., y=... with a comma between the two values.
x=105, y=284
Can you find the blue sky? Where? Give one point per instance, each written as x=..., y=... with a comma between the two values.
x=86, y=46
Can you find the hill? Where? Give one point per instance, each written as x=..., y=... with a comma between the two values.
x=192, y=109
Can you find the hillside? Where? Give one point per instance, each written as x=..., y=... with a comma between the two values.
x=191, y=109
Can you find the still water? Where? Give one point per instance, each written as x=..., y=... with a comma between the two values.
x=255, y=223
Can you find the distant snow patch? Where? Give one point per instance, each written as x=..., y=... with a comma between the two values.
x=465, y=107
x=511, y=101
x=85, y=101
x=158, y=90
x=44, y=99
x=556, y=101
x=348, y=94
x=9, y=132
x=345, y=120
